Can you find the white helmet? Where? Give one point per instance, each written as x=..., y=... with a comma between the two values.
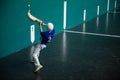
x=50, y=26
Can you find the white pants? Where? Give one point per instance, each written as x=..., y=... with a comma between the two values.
x=35, y=54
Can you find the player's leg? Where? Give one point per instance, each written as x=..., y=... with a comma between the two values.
x=36, y=53
x=31, y=54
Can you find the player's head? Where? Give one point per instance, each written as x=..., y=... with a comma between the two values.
x=50, y=26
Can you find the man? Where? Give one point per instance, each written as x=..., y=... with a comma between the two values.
x=46, y=38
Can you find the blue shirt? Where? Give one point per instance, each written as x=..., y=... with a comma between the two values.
x=47, y=36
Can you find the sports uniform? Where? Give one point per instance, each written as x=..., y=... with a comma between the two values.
x=46, y=38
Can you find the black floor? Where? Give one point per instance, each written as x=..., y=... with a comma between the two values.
x=73, y=56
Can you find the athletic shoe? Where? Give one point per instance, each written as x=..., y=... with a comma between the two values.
x=38, y=68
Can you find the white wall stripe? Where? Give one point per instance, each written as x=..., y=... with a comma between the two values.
x=65, y=14
x=98, y=10
x=108, y=3
x=32, y=33
x=84, y=15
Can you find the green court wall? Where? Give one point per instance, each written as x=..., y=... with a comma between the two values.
x=15, y=25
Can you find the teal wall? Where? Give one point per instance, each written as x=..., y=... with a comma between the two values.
x=76, y=8
x=15, y=26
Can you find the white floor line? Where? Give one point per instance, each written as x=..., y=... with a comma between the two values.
x=97, y=34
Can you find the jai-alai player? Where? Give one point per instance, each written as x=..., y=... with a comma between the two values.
x=46, y=38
